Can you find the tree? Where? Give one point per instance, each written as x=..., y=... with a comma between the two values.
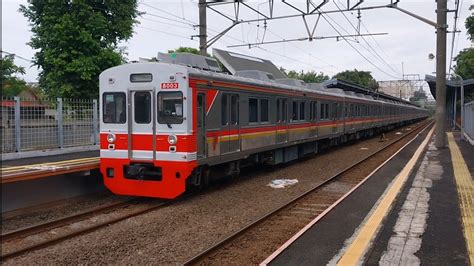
x=185, y=50
x=470, y=24
x=76, y=41
x=308, y=77
x=361, y=78
x=419, y=95
x=11, y=84
x=465, y=59
x=465, y=63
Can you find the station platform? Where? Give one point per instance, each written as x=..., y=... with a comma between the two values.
x=416, y=209
x=33, y=182
x=38, y=167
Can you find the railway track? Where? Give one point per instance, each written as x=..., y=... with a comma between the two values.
x=265, y=234
x=52, y=232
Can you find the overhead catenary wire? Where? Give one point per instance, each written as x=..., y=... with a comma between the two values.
x=17, y=56
x=354, y=48
x=370, y=48
x=167, y=33
x=192, y=23
x=166, y=23
x=456, y=17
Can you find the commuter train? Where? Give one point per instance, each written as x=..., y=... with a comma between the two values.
x=166, y=127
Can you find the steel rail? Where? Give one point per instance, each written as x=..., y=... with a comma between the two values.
x=34, y=229
x=244, y=229
x=49, y=242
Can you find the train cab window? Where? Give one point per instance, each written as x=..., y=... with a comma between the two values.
x=170, y=107
x=114, y=108
x=263, y=110
x=253, y=110
x=142, y=107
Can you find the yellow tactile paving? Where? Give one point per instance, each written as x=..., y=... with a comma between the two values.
x=60, y=163
x=465, y=187
x=361, y=242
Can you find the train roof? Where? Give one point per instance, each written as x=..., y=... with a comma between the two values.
x=198, y=65
x=321, y=89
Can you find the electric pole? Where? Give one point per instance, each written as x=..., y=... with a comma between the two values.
x=202, y=28
x=441, y=29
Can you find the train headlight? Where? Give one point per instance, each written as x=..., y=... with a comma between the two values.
x=111, y=138
x=172, y=139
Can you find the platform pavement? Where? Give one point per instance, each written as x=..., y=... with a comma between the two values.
x=427, y=224
x=51, y=158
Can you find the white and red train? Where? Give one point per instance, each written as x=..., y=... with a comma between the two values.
x=167, y=126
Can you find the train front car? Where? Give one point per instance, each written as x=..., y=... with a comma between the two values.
x=146, y=143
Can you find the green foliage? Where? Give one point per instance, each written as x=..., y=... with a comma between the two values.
x=185, y=50
x=11, y=85
x=361, y=78
x=465, y=63
x=76, y=41
x=419, y=95
x=470, y=24
x=465, y=59
x=308, y=77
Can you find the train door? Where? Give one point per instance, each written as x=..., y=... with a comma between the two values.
x=142, y=124
x=230, y=140
x=201, y=125
x=282, y=121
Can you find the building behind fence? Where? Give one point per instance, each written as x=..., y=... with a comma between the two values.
x=469, y=120
x=37, y=124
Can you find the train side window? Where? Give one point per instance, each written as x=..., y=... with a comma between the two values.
x=281, y=110
x=253, y=110
x=142, y=107
x=114, y=108
x=278, y=110
x=234, y=109
x=263, y=110
x=302, y=111
x=224, y=109
x=170, y=107
x=294, y=114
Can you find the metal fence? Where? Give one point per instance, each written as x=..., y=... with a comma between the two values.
x=469, y=119
x=33, y=124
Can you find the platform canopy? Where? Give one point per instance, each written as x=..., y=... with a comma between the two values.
x=453, y=96
x=452, y=86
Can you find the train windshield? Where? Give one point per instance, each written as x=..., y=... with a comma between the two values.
x=114, y=111
x=170, y=108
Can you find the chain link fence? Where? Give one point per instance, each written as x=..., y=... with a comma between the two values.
x=38, y=124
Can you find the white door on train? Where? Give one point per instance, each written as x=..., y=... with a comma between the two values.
x=142, y=124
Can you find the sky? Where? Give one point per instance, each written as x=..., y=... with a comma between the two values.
x=169, y=24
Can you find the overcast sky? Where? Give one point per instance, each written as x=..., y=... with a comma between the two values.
x=167, y=25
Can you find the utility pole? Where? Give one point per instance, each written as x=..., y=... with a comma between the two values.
x=202, y=28
x=441, y=29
